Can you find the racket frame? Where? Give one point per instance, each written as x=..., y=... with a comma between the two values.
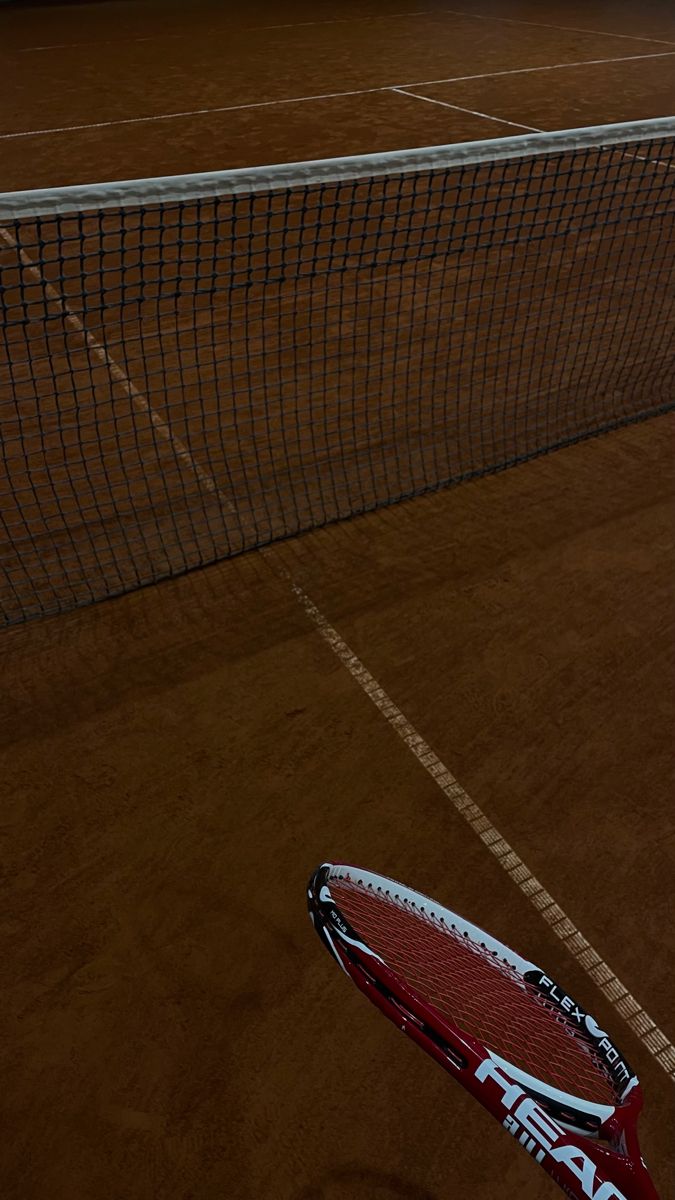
x=562, y=1132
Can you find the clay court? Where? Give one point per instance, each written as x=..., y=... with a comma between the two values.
x=471, y=690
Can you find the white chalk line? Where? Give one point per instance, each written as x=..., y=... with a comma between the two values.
x=185, y=114
x=516, y=124
x=473, y=112
x=87, y=45
x=428, y=12
x=630, y=37
x=211, y=33
x=585, y=62
x=160, y=36
x=625, y=1004
x=104, y=359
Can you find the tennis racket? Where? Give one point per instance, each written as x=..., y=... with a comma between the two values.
x=515, y=1039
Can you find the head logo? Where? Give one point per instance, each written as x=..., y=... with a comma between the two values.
x=581, y=1166
x=542, y=1138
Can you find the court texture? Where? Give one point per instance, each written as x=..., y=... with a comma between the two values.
x=471, y=689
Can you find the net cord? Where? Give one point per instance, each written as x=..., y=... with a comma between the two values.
x=252, y=180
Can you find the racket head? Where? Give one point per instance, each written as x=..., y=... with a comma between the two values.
x=425, y=966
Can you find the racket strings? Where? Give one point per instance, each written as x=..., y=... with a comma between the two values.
x=479, y=992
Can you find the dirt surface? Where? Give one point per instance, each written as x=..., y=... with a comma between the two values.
x=176, y=762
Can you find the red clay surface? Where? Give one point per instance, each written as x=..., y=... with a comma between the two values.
x=175, y=763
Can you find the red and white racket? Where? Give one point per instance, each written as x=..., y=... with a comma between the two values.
x=516, y=1040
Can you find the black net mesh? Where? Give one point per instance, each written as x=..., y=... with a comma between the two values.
x=183, y=381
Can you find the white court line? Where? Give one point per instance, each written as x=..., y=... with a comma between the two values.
x=104, y=359
x=471, y=111
x=160, y=36
x=400, y=91
x=428, y=12
x=587, y=62
x=630, y=37
x=83, y=45
x=200, y=112
x=574, y=941
x=192, y=112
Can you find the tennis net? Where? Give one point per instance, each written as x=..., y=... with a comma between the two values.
x=196, y=366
